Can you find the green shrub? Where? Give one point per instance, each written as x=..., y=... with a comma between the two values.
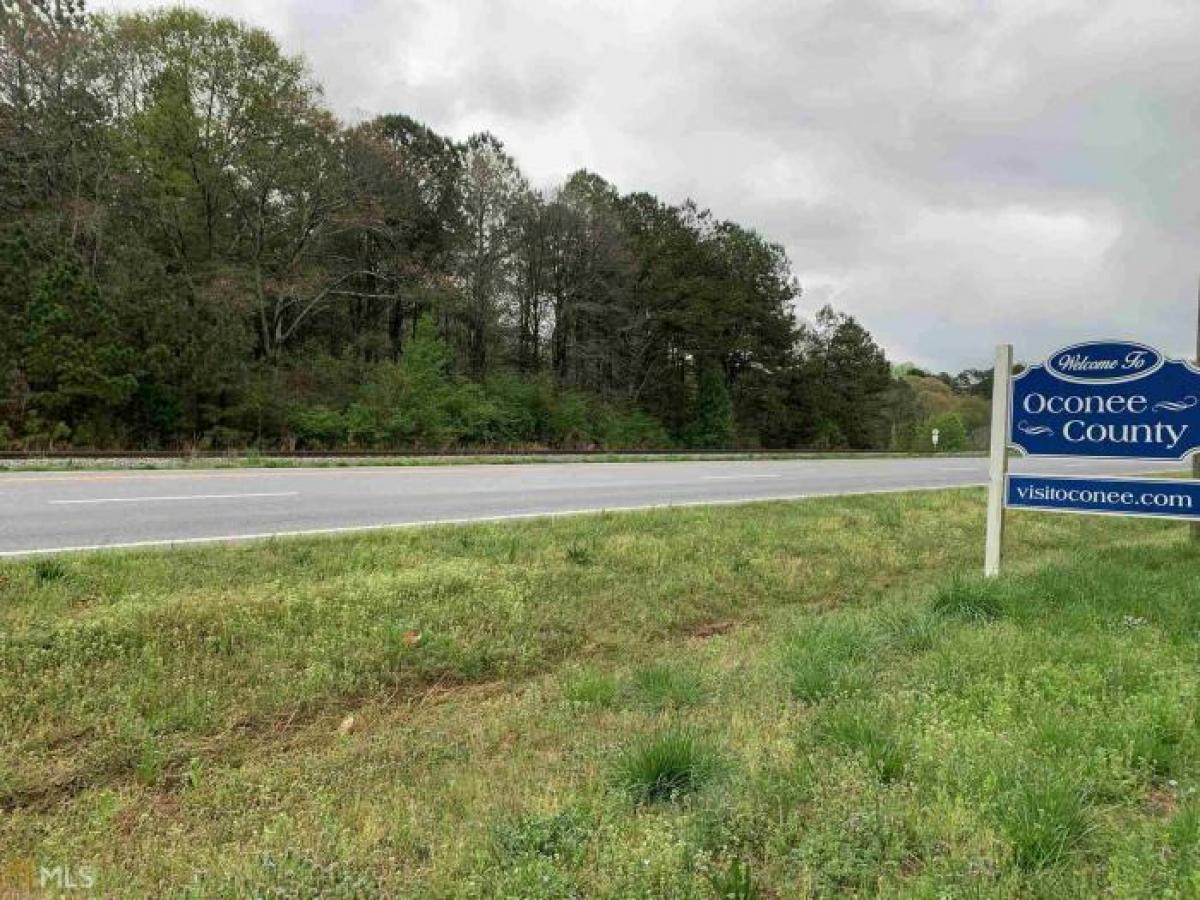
x=631, y=430
x=952, y=432
x=319, y=428
x=420, y=402
x=571, y=421
x=827, y=435
x=363, y=426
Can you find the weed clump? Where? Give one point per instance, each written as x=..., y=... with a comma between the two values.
x=557, y=836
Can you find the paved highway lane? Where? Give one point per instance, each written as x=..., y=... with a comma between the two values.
x=55, y=511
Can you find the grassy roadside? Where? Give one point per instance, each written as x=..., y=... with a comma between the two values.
x=81, y=464
x=773, y=700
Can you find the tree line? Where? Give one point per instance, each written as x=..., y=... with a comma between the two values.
x=194, y=252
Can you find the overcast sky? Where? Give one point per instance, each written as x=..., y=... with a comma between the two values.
x=954, y=173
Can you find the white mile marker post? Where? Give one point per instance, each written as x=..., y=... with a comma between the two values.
x=998, y=468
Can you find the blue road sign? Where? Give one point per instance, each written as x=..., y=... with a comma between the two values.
x=1160, y=498
x=1107, y=399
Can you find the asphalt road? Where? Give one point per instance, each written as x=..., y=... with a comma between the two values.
x=57, y=511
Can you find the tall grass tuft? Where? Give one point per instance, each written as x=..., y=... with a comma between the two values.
x=1157, y=738
x=590, y=687
x=911, y=630
x=863, y=730
x=667, y=686
x=1045, y=819
x=666, y=766
x=734, y=882
x=47, y=570
x=827, y=658
x=580, y=554
x=1183, y=837
x=972, y=599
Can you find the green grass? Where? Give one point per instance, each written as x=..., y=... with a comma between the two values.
x=777, y=700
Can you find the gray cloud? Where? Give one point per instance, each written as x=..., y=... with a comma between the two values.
x=954, y=172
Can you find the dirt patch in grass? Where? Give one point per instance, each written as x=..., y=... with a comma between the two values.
x=712, y=629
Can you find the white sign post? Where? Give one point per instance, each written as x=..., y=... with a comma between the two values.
x=998, y=469
x=936, y=436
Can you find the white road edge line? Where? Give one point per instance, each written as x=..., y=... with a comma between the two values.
x=429, y=523
x=178, y=497
x=735, y=477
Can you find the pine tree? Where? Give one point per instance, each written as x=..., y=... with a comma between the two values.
x=712, y=421
x=77, y=369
